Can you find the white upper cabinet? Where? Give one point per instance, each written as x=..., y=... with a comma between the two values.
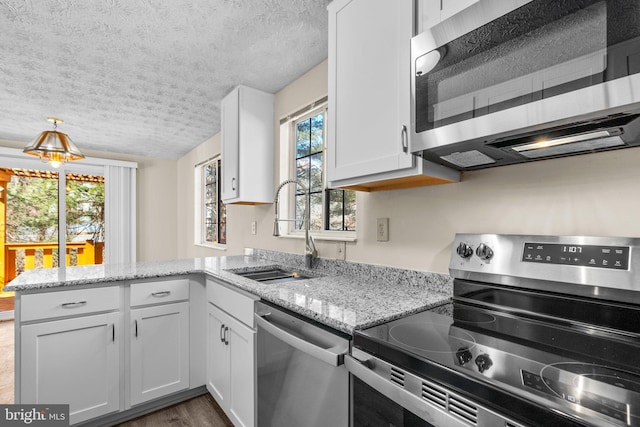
x=369, y=98
x=247, y=146
x=432, y=12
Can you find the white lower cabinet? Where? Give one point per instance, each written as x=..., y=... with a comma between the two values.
x=231, y=366
x=159, y=358
x=74, y=361
x=231, y=352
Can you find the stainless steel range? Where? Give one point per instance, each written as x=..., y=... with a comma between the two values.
x=542, y=331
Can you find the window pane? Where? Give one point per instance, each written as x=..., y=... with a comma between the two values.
x=302, y=174
x=315, y=179
x=316, y=211
x=85, y=219
x=303, y=137
x=213, y=210
x=300, y=214
x=335, y=209
x=317, y=133
x=209, y=174
x=342, y=210
x=31, y=237
x=349, y=210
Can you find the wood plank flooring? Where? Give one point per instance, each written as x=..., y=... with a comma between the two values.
x=201, y=411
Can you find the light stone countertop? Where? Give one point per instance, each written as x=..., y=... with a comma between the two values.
x=343, y=295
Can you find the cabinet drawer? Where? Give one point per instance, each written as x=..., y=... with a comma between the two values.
x=69, y=303
x=236, y=303
x=146, y=293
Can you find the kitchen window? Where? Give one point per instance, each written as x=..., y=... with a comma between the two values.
x=211, y=216
x=333, y=211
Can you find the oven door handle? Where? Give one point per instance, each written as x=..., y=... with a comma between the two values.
x=400, y=396
x=334, y=355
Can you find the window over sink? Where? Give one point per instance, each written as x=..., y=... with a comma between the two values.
x=302, y=143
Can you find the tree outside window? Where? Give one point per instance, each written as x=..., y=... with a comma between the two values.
x=214, y=210
x=331, y=209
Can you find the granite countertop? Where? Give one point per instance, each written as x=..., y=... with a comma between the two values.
x=344, y=295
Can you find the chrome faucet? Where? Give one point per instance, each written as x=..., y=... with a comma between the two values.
x=310, y=247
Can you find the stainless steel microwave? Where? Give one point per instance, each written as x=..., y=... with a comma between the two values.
x=509, y=81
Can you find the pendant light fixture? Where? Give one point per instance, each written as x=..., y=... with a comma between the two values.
x=54, y=147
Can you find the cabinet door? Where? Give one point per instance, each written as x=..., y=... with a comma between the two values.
x=218, y=375
x=369, y=87
x=242, y=405
x=159, y=351
x=451, y=7
x=230, y=145
x=74, y=361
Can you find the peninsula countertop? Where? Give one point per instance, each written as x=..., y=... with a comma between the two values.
x=343, y=295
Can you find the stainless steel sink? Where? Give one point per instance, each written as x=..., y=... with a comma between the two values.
x=273, y=275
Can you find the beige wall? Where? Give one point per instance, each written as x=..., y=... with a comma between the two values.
x=595, y=194
x=157, y=218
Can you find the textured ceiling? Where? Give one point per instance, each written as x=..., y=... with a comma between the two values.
x=146, y=77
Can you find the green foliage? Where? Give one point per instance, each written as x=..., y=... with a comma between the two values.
x=32, y=210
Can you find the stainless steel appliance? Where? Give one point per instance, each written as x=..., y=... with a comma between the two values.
x=509, y=81
x=302, y=380
x=542, y=331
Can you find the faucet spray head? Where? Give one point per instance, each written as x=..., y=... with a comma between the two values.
x=276, y=228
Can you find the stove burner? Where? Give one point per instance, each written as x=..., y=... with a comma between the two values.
x=590, y=384
x=466, y=315
x=432, y=336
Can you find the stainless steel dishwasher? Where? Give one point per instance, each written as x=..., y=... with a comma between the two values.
x=302, y=381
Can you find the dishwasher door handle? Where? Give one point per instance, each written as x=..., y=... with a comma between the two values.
x=334, y=356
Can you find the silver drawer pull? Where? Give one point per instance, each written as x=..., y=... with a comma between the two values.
x=161, y=294
x=73, y=304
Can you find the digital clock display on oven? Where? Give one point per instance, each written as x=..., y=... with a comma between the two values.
x=615, y=257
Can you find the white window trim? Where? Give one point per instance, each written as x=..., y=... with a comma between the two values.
x=198, y=228
x=287, y=171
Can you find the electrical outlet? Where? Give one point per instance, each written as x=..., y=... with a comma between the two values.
x=382, y=230
x=341, y=249
x=254, y=227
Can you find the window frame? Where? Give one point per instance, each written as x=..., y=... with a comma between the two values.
x=200, y=232
x=288, y=171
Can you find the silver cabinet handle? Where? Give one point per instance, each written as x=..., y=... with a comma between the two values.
x=73, y=304
x=233, y=184
x=161, y=294
x=226, y=335
x=221, y=333
x=113, y=332
x=136, y=328
x=404, y=138
x=333, y=356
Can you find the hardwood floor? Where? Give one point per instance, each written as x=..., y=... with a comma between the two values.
x=6, y=362
x=201, y=411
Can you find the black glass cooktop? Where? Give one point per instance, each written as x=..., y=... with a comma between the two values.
x=574, y=355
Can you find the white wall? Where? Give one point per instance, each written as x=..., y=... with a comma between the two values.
x=156, y=211
x=594, y=194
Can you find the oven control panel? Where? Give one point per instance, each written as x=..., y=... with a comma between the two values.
x=615, y=257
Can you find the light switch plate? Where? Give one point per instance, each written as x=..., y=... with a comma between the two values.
x=382, y=229
x=254, y=227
